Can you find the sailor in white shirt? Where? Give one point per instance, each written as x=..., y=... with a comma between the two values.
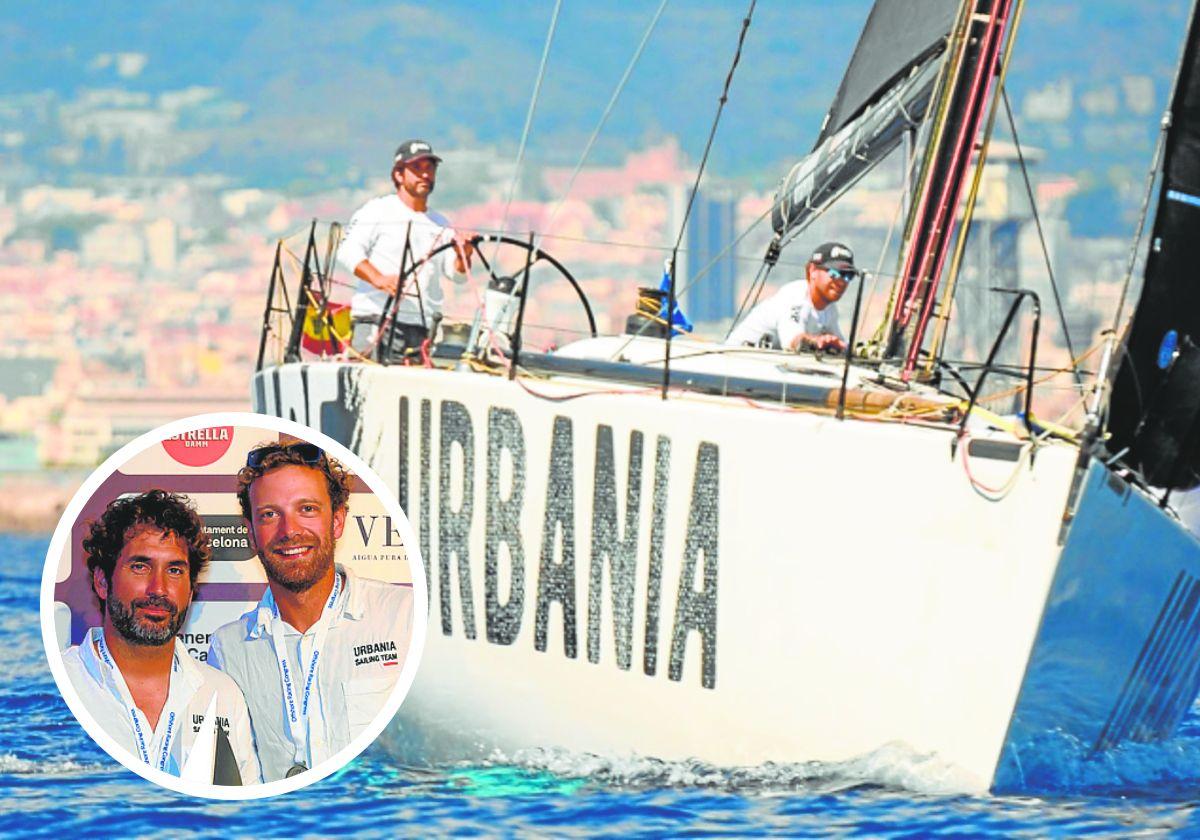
x=803, y=314
x=132, y=674
x=373, y=249
x=184, y=716
x=319, y=656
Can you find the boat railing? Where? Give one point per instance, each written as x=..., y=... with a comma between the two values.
x=1019, y=296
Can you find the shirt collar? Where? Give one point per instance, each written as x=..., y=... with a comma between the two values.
x=351, y=605
x=189, y=670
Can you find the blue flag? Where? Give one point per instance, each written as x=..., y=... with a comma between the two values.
x=679, y=321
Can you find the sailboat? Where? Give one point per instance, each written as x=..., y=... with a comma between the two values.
x=648, y=544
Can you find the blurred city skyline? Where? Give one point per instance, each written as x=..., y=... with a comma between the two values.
x=152, y=154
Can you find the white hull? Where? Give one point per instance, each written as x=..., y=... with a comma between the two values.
x=859, y=591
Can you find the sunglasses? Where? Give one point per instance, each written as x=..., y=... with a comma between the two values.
x=846, y=274
x=309, y=453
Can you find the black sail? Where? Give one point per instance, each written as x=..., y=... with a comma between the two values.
x=885, y=90
x=1155, y=409
x=898, y=35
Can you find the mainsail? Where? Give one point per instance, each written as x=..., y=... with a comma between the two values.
x=885, y=91
x=1156, y=397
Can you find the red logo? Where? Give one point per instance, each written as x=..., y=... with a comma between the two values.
x=201, y=447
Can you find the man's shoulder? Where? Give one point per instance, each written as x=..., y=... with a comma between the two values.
x=378, y=599
x=237, y=630
x=796, y=288
x=383, y=591
x=380, y=206
x=72, y=658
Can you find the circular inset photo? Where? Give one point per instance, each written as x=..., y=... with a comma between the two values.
x=233, y=606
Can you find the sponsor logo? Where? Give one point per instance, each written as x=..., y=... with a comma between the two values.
x=200, y=447
x=675, y=613
x=229, y=537
x=381, y=652
x=222, y=722
x=196, y=644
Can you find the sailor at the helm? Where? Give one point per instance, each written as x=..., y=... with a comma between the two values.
x=802, y=315
x=373, y=249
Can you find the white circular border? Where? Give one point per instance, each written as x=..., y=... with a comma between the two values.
x=62, y=534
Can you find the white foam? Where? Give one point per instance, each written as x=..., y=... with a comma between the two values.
x=9, y=763
x=893, y=765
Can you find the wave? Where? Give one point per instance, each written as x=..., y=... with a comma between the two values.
x=893, y=766
x=10, y=763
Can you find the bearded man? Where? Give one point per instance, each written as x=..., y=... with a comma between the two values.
x=298, y=655
x=132, y=674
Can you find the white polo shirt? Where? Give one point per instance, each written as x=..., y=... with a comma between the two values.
x=377, y=232
x=362, y=651
x=103, y=692
x=785, y=315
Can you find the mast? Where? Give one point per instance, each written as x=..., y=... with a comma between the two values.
x=978, y=42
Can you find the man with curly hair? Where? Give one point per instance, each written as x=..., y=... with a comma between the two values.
x=318, y=657
x=132, y=673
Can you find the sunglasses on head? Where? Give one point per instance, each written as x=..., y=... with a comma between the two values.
x=846, y=274
x=309, y=453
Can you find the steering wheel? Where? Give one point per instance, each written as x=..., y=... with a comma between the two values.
x=537, y=256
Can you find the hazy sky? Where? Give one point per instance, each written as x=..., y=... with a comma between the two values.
x=343, y=82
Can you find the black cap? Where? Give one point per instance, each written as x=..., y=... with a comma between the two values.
x=411, y=150
x=833, y=255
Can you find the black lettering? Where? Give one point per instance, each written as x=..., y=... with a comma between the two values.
x=454, y=526
x=363, y=529
x=426, y=502
x=503, y=527
x=697, y=610
x=390, y=532
x=556, y=581
x=608, y=544
x=402, y=464
x=662, y=472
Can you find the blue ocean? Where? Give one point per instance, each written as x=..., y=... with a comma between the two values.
x=55, y=781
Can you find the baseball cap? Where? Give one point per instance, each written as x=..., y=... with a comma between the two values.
x=411, y=150
x=834, y=255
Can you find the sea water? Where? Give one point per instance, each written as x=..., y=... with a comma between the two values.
x=55, y=781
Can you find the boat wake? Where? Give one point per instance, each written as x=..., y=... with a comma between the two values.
x=891, y=766
x=1059, y=764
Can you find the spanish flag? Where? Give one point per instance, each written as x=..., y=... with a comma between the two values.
x=318, y=336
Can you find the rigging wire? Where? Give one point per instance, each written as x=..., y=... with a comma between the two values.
x=1140, y=230
x=1037, y=219
x=533, y=101
x=612, y=101
x=712, y=133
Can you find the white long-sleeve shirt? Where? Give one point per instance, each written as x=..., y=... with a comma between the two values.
x=377, y=232
x=785, y=315
x=363, y=650
x=104, y=694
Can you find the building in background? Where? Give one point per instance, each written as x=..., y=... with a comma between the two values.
x=710, y=261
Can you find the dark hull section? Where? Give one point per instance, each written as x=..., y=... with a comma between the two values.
x=1117, y=656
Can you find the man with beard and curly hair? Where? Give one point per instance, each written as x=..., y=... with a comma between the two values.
x=319, y=656
x=132, y=673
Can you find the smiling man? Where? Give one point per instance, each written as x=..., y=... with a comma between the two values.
x=133, y=675
x=319, y=656
x=374, y=250
x=802, y=315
